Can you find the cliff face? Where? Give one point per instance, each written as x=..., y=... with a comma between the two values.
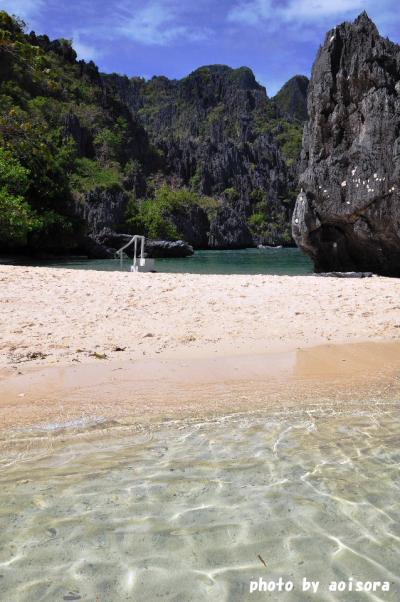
x=219, y=134
x=292, y=98
x=348, y=215
x=209, y=158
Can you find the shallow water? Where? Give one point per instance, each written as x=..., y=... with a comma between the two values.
x=289, y=261
x=182, y=511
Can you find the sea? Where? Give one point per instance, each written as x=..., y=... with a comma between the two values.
x=284, y=261
x=205, y=511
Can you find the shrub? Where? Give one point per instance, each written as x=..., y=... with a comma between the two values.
x=152, y=217
x=231, y=194
x=16, y=217
x=89, y=175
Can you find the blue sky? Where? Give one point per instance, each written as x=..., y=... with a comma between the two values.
x=275, y=38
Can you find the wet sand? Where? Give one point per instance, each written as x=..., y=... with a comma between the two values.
x=86, y=345
x=163, y=389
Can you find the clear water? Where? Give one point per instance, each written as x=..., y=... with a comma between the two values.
x=290, y=261
x=184, y=511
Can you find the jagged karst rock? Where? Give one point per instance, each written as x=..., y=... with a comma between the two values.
x=230, y=231
x=348, y=215
x=80, y=135
x=102, y=208
x=292, y=98
x=193, y=225
x=212, y=129
x=100, y=212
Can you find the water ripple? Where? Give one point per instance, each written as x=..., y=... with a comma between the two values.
x=185, y=510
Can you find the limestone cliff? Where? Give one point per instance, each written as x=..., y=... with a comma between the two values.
x=348, y=215
x=218, y=133
x=292, y=98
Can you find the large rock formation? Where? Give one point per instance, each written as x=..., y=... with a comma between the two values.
x=100, y=149
x=193, y=225
x=102, y=208
x=292, y=98
x=218, y=132
x=229, y=230
x=347, y=216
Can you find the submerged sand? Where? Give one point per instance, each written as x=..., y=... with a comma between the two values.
x=88, y=345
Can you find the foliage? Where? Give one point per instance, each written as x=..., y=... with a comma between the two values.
x=41, y=86
x=290, y=139
x=109, y=141
x=257, y=221
x=291, y=98
x=13, y=177
x=88, y=174
x=231, y=194
x=16, y=217
x=152, y=217
x=288, y=133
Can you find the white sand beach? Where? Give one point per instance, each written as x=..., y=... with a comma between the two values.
x=56, y=316
x=77, y=344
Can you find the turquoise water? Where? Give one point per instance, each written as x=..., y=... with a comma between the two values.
x=289, y=261
x=189, y=511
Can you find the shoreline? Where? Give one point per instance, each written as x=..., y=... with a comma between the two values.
x=156, y=390
x=76, y=344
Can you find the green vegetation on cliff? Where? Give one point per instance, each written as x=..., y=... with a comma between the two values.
x=292, y=98
x=166, y=148
x=16, y=217
x=152, y=217
x=58, y=131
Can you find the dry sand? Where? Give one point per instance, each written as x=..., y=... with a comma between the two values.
x=178, y=343
x=56, y=316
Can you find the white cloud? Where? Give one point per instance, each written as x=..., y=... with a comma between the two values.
x=157, y=23
x=26, y=9
x=253, y=12
x=311, y=10
x=84, y=51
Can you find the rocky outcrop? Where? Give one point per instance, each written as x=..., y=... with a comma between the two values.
x=215, y=131
x=345, y=274
x=230, y=231
x=292, y=98
x=168, y=248
x=113, y=241
x=193, y=225
x=99, y=212
x=79, y=134
x=102, y=208
x=103, y=211
x=347, y=217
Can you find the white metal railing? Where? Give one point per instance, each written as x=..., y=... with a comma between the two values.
x=134, y=240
